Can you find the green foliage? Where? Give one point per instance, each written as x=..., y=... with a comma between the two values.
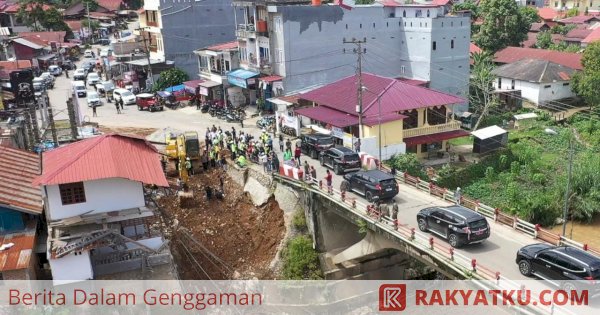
x=171, y=77
x=362, y=226
x=572, y=12
x=530, y=14
x=32, y=13
x=468, y=5
x=504, y=25
x=481, y=96
x=544, y=40
x=562, y=29
x=91, y=23
x=364, y=2
x=300, y=260
x=299, y=220
x=408, y=163
x=585, y=83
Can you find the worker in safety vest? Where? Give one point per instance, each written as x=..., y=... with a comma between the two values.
x=188, y=166
x=241, y=161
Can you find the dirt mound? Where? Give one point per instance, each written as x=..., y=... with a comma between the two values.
x=230, y=238
x=139, y=132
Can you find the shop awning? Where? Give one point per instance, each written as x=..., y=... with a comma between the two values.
x=328, y=116
x=238, y=77
x=192, y=84
x=46, y=57
x=209, y=84
x=175, y=88
x=278, y=101
x=436, y=137
x=271, y=78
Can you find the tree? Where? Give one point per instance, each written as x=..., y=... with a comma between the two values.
x=481, y=96
x=572, y=12
x=504, y=25
x=53, y=21
x=530, y=14
x=171, y=77
x=93, y=4
x=585, y=83
x=408, y=163
x=469, y=5
x=31, y=12
x=544, y=40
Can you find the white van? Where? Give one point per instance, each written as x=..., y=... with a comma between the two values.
x=89, y=54
x=79, y=88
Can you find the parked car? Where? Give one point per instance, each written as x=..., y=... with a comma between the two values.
x=125, y=95
x=105, y=52
x=88, y=66
x=104, y=86
x=68, y=65
x=89, y=54
x=79, y=88
x=375, y=185
x=39, y=87
x=560, y=263
x=49, y=78
x=93, y=99
x=79, y=74
x=92, y=78
x=148, y=101
x=55, y=70
x=103, y=41
x=340, y=159
x=457, y=224
x=313, y=144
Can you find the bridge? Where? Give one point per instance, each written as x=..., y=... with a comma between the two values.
x=492, y=260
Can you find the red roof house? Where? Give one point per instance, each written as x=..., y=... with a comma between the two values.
x=19, y=168
x=591, y=37
x=512, y=54
x=580, y=19
x=103, y=157
x=548, y=14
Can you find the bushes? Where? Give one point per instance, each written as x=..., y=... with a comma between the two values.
x=299, y=220
x=300, y=260
x=408, y=163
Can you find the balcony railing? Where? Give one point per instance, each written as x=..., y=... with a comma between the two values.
x=245, y=31
x=428, y=130
x=152, y=23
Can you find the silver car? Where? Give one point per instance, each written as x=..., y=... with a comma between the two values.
x=93, y=99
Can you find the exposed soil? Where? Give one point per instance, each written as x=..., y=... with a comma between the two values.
x=139, y=132
x=243, y=238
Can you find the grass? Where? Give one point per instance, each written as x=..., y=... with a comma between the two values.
x=461, y=141
x=299, y=220
x=300, y=260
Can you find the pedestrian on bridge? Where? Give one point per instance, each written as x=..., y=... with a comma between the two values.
x=395, y=212
x=458, y=195
x=329, y=181
x=306, y=171
x=313, y=173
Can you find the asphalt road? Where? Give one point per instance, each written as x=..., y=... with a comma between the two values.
x=497, y=253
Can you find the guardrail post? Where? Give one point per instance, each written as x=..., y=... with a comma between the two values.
x=320, y=184
x=369, y=210
x=451, y=251
x=515, y=219
x=497, y=278
x=444, y=194
x=404, y=176
x=343, y=196
x=585, y=247
x=412, y=234
x=354, y=203
x=417, y=183
x=474, y=264
x=537, y=229
x=496, y=213
x=430, y=187
x=396, y=225
x=431, y=243
x=476, y=205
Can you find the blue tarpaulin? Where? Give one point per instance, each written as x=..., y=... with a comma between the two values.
x=238, y=77
x=175, y=88
x=163, y=94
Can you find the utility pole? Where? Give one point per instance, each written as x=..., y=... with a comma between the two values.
x=52, y=125
x=72, y=119
x=359, y=51
x=34, y=123
x=222, y=75
x=567, y=192
x=147, y=54
x=87, y=8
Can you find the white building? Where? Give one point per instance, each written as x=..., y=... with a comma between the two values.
x=214, y=62
x=303, y=45
x=98, y=219
x=538, y=80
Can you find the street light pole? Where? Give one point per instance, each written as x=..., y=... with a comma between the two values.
x=364, y=88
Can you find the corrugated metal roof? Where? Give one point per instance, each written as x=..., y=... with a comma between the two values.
x=329, y=116
x=488, y=132
x=579, y=19
x=395, y=95
x=28, y=43
x=512, y=54
x=19, y=168
x=106, y=156
x=436, y=137
x=593, y=36
x=534, y=70
x=18, y=256
x=223, y=46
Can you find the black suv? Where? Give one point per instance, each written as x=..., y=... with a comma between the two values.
x=340, y=159
x=374, y=184
x=456, y=224
x=560, y=263
x=313, y=144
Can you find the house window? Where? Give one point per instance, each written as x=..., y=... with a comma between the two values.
x=452, y=43
x=404, y=13
x=500, y=83
x=434, y=45
x=418, y=13
x=556, y=4
x=72, y=193
x=402, y=69
x=547, y=86
x=227, y=65
x=243, y=54
x=428, y=13
x=566, y=84
x=278, y=24
x=512, y=84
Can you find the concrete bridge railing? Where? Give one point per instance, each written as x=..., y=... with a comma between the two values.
x=468, y=267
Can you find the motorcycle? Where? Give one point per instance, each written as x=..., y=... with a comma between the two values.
x=205, y=108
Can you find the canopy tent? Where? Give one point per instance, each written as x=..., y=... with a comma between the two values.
x=175, y=88
x=240, y=77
